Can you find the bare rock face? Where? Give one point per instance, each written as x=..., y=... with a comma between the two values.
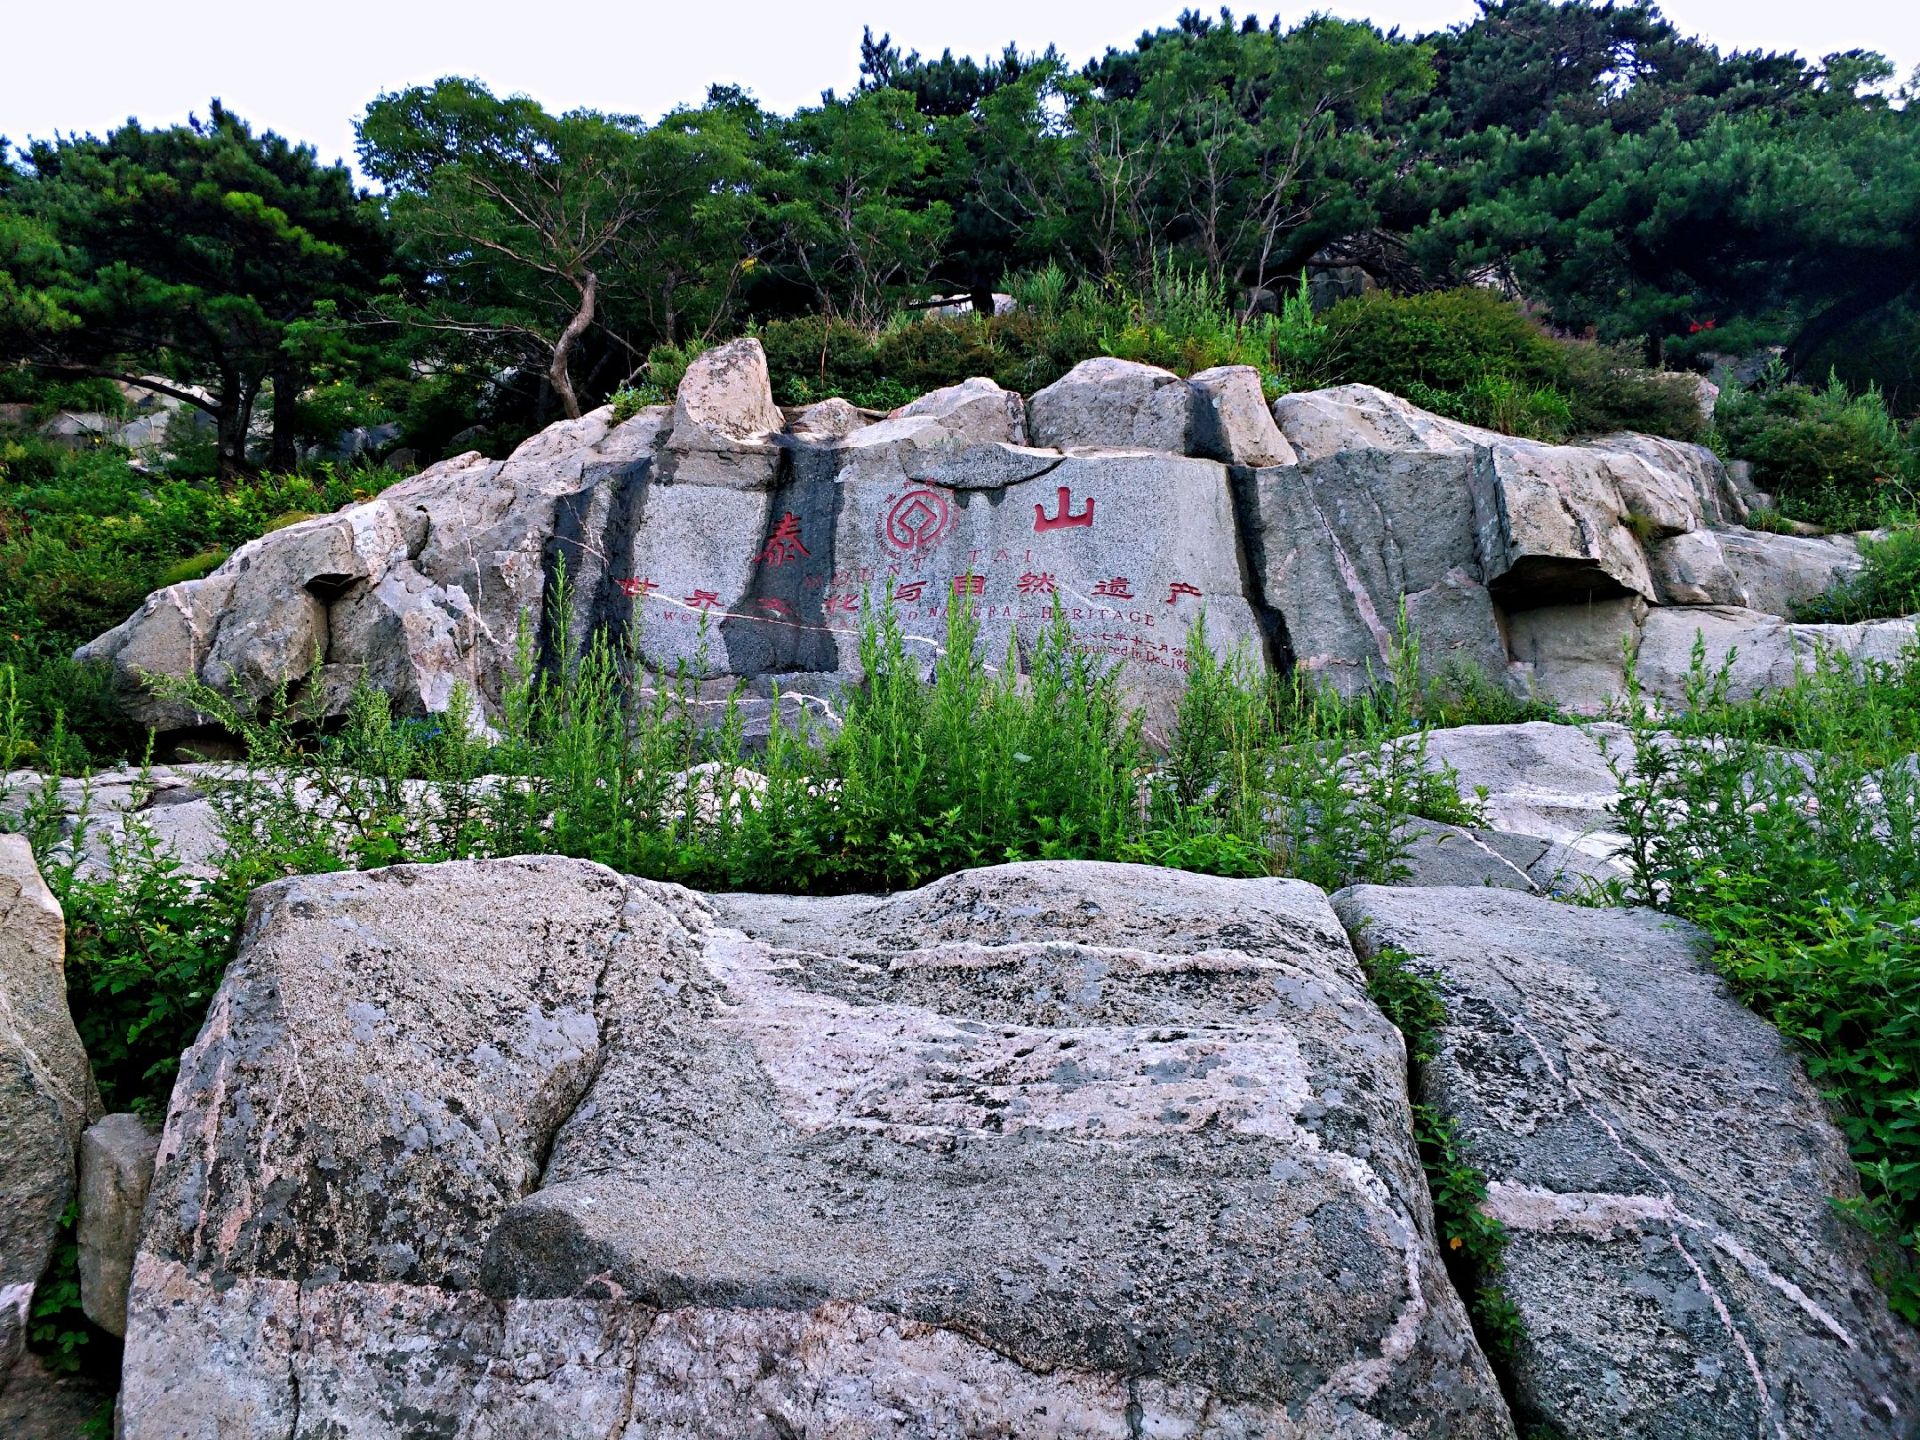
x=116, y=1167
x=526, y=1148
x=47, y=1094
x=418, y=590
x=1231, y=420
x=1391, y=505
x=1778, y=572
x=745, y=542
x=1114, y=404
x=1664, y=1171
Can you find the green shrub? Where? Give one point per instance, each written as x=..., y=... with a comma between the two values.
x=1473, y=356
x=1829, y=456
x=1888, y=583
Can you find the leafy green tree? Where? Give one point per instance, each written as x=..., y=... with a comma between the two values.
x=201, y=253
x=841, y=204
x=1246, y=146
x=530, y=226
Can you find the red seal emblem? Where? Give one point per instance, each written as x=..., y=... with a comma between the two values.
x=915, y=522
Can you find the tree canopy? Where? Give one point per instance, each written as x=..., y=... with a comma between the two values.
x=1625, y=179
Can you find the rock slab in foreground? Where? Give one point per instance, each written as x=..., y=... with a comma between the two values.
x=1664, y=1170
x=1056, y=1149
x=47, y=1094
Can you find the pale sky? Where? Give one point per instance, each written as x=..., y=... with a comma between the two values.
x=309, y=70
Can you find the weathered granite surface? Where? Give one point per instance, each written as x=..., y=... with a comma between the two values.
x=1066, y=1149
x=1664, y=1170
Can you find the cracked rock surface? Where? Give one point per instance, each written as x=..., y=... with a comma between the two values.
x=745, y=541
x=1664, y=1170
x=524, y=1147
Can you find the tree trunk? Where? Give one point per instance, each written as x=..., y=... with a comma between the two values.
x=233, y=419
x=286, y=397
x=563, y=348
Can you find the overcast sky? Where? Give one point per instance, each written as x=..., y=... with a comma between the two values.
x=308, y=70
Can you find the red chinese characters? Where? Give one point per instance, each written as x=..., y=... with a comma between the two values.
x=1179, y=588
x=774, y=606
x=1063, y=517
x=784, y=544
x=910, y=592
x=843, y=603
x=1035, y=584
x=636, y=588
x=1118, y=588
x=969, y=584
x=703, y=600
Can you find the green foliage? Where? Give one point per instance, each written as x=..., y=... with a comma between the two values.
x=1829, y=456
x=1888, y=583
x=1473, y=356
x=203, y=253
x=84, y=537
x=1789, y=829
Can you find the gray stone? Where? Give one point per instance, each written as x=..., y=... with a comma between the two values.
x=725, y=421
x=1337, y=543
x=826, y=420
x=1693, y=569
x=1760, y=652
x=1575, y=656
x=1554, y=782
x=1664, y=1171
x=116, y=1167
x=1778, y=572
x=525, y=1148
x=1109, y=404
x=976, y=411
x=47, y=1094
x=1231, y=420
x=1458, y=855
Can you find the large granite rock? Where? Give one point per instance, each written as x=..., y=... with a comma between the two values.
x=1232, y=421
x=47, y=1094
x=1778, y=572
x=418, y=590
x=1467, y=528
x=1576, y=655
x=525, y=1148
x=1664, y=1171
x=1556, y=783
x=1114, y=404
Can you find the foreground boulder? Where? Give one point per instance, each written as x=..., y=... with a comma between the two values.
x=1664, y=1171
x=526, y=1148
x=47, y=1095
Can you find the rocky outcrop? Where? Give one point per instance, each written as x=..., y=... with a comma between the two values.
x=47, y=1095
x=526, y=1148
x=1577, y=655
x=1114, y=404
x=741, y=543
x=116, y=1168
x=1663, y=1169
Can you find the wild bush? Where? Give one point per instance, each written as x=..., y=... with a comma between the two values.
x=1829, y=456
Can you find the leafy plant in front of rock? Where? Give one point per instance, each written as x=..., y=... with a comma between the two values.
x=1886, y=585
x=1789, y=829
